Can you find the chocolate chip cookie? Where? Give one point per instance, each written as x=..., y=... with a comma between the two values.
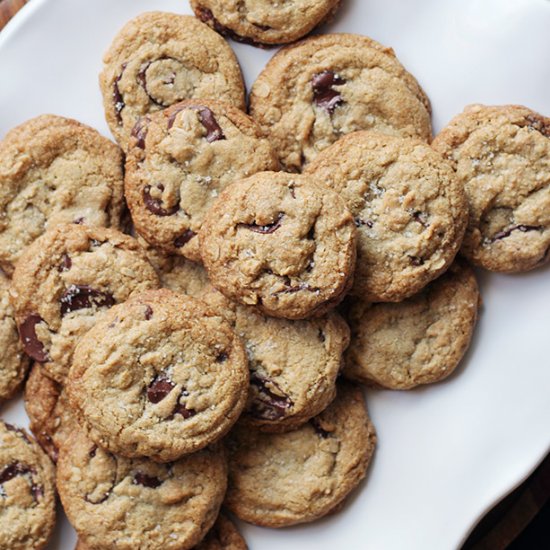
x=501, y=156
x=282, y=243
x=115, y=502
x=159, y=376
x=65, y=280
x=180, y=160
x=277, y=480
x=409, y=208
x=27, y=491
x=14, y=364
x=418, y=341
x=312, y=93
x=55, y=170
x=258, y=22
x=158, y=59
x=293, y=364
x=51, y=418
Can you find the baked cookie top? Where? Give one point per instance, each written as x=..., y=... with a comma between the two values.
x=501, y=155
x=277, y=480
x=27, y=491
x=158, y=59
x=159, y=376
x=180, y=160
x=293, y=364
x=312, y=93
x=55, y=170
x=115, y=502
x=280, y=242
x=264, y=22
x=14, y=364
x=409, y=208
x=418, y=341
x=65, y=280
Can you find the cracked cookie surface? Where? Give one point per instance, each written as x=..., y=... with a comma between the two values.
x=122, y=503
x=27, y=491
x=55, y=170
x=418, y=341
x=277, y=480
x=408, y=206
x=180, y=160
x=282, y=243
x=260, y=22
x=182, y=386
x=312, y=93
x=65, y=281
x=158, y=59
x=501, y=155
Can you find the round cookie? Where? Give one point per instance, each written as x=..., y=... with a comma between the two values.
x=158, y=59
x=261, y=22
x=178, y=162
x=409, y=209
x=418, y=341
x=55, y=170
x=293, y=364
x=159, y=376
x=27, y=491
x=501, y=156
x=65, y=280
x=282, y=243
x=276, y=480
x=115, y=502
x=51, y=418
x=312, y=93
x=14, y=364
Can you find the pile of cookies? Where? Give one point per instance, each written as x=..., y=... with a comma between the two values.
x=193, y=353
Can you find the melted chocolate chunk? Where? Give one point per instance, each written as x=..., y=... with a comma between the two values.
x=221, y=357
x=523, y=228
x=31, y=344
x=117, y=96
x=139, y=131
x=66, y=263
x=421, y=218
x=323, y=94
x=264, y=229
x=18, y=431
x=214, y=131
x=319, y=429
x=155, y=205
x=159, y=388
x=13, y=470
x=183, y=410
x=360, y=222
x=151, y=482
x=83, y=296
x=292, y=289
x=184, y=238
x=142, y=79
x=268, y=405
x=416, y=261
x=148, y=313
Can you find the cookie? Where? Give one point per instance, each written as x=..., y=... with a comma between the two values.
x=258, y=22
x=409, y=209
x=282, y=243
x=158, y=59
x=178, y=163
x=501, y=156
x=51, y=418
x=27, y=491
x=115, y=502
x=14, y=364
x=55, y=170
x=312, y=93
x=276, y=480
x=185, y=277
x=65, y=280
x=418, y=341
x=159, y=376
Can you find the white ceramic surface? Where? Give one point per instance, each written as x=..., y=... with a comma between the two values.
x=446, y=453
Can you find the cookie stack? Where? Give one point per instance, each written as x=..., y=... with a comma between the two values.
x=194, y=355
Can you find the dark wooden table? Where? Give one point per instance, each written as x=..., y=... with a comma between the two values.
x=521, y=521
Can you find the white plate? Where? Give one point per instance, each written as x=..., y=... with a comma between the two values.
x=446, y=453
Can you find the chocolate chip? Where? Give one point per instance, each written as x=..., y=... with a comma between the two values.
x=321, y=335
x=142, y=79
x=523, y=228
x=19, y=431
x=207, y=119
x=264, y=229
x=155, y=205
x=184, y=411
x=159, y=388
x=92, y=451
x=78, y=297
x=37, y=492
x=416, y=261
x=421, y=218
x=117, y=96
x=151, y=482
x=184, y=238
x=268, y=405
x=79, y=221
x=360, y=222
x=319, y=429
x=148, y=313
x=32, y=345
x=221, y=357
x=66, y=263
x=323, y=94
x=139, y=131
x=13, y=470
x=296, y=288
